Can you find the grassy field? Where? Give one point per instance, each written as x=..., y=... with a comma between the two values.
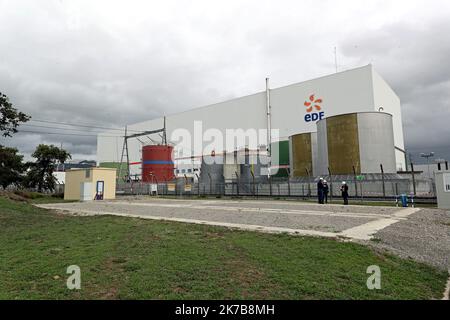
x=125, y=258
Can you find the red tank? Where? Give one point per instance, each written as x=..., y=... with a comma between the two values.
x=157, y=163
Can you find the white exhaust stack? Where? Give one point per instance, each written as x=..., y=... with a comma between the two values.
x=269, y=127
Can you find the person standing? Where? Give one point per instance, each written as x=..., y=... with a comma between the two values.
x=344, y=191
x=325, y=191
x=320, y=190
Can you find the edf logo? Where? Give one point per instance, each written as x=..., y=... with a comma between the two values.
x=312, y=104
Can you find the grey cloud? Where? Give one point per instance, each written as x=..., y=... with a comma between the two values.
x=414, y=59
x=89, y=68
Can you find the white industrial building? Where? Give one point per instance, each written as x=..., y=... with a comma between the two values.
x=353, y=91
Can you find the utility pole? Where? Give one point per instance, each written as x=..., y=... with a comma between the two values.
x=269, y=127
x=128, y=158
x=165, y=133
x=123, y=152
x=428, y=156
x=60, y=161
x=410, y=160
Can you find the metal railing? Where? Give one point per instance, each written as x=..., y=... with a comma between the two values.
x=363, y=190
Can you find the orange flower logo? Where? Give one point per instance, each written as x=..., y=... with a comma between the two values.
x=313, y=103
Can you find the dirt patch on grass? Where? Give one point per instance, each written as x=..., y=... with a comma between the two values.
x=114, y=267
x=14, y=196
x=179, y=290
x=251, y=279
x=27, y=196
x=214, y=235
x=111, y=294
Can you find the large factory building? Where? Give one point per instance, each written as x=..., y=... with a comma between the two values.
x=311, y=107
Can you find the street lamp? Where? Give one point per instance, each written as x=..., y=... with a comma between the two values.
x=428, y=156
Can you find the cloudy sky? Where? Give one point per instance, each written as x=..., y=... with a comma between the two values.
x=109, y=63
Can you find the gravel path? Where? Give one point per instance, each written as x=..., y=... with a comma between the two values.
x=424, y=236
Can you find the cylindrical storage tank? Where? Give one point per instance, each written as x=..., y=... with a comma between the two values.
x=356, y=143
x=157, y=163
x=211, y=170
x=303, y=154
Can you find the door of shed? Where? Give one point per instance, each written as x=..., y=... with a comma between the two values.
x=86, y=191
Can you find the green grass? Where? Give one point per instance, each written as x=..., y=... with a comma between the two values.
x=33, y=197
x=126, y=258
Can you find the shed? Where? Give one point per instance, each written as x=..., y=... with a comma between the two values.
x=443, y=189
x=90, y=184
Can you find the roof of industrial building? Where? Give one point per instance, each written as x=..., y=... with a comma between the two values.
x=91, y=168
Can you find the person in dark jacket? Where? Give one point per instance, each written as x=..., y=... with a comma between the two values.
x=344, y=191
x=325, y=191
x=320, y=190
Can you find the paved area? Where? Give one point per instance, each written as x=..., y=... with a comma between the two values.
x=353, y=222
x=424, y=236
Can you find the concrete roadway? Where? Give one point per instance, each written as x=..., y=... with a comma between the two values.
x=352, y=222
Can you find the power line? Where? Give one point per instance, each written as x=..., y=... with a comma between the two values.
x=69, y=134
x=81, y=125
x=56, y=128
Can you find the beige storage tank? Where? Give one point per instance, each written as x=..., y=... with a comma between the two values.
x=303, y=154
x=231, y=165
x=360, y=140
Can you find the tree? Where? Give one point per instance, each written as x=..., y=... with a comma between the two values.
x=40, y=173
x=11, y=167
x=10, y=118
